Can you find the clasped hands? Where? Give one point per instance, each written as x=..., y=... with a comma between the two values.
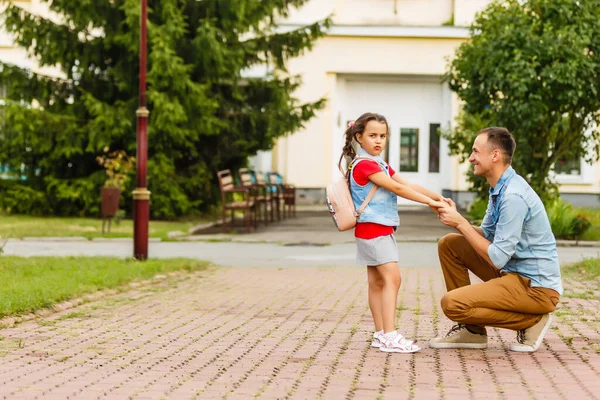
x=447, y=213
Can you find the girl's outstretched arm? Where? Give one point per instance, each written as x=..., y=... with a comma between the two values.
x=417, y=188
x=405, y=191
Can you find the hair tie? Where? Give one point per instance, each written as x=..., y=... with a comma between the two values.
x=351, y=124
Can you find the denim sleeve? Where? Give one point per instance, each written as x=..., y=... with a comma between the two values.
x=513, y=211
x=487, y=225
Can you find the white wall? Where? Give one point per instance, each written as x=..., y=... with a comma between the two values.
x=376, y=12
x=464, y=10
x=389, y=12
x=10, y=53
x=348, y=55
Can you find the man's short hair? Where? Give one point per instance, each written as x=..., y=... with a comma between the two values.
x=501, y=139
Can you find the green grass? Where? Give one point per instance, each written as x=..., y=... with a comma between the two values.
x=593, y=214
x=583, y=271
x=29, y=284
x=587, y=271
x=19, y=226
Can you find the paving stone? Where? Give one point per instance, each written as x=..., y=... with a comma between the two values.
x=298, y=332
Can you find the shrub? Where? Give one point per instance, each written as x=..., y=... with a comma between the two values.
x=118, y=166
x=565, y=223
x=17, y=198
x=580, y=224
x=75, y=197
x=561, y=216
x=477, y=210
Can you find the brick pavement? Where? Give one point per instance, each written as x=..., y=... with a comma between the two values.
x=299, y=333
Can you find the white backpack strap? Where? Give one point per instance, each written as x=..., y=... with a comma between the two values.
x=371, y=192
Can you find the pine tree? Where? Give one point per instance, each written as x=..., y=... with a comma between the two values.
x=204, y=114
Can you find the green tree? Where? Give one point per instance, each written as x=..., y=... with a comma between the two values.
x=205, y=114
x=532, y=66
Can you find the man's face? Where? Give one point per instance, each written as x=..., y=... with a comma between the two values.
x=483, y=156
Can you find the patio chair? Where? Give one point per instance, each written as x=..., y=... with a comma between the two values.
x=274, y=195
x=288, y=193
x=236, y=198
x=262, y=197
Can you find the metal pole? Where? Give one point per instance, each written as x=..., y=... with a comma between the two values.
x=141, y=195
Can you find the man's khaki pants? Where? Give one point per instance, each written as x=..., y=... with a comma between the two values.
x=503, y=300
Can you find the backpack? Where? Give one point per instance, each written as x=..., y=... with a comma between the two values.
x=340, y=204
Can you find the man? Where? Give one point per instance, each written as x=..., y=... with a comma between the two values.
x=513, y=253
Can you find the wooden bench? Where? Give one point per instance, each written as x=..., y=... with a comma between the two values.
x=229, y=202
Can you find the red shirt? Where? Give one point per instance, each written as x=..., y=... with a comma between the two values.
x=360, y=173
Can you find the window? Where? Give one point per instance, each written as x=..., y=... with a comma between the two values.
x=568, y=166
x=409, y=149
x=386, y=153
x=434, y=147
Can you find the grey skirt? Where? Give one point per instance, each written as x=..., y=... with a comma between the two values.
x=372, y=252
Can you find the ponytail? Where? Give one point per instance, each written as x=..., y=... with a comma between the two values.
x=348, y=149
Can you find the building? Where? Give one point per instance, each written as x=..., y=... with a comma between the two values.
x=388, y=56
x=10, y=53
x=385, y=56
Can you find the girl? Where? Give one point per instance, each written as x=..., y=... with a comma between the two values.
x=376, y=245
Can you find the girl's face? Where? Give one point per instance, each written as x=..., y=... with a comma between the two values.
x=374, y=138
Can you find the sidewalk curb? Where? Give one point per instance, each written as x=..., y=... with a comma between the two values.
x=74, y=239
x=577, y=243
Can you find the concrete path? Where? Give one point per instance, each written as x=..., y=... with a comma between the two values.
x=314, y=225
x=413, y=254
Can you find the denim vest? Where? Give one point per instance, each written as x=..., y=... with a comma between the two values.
x=517, y=225
x=383, y=207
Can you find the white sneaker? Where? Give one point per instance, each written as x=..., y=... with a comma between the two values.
x=376, y=339
x=397, y=345
x=459, y=337
x=530, y=339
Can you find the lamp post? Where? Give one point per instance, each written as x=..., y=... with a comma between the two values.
x=141, y=195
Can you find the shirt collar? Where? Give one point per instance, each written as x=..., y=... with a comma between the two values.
x=509, y=173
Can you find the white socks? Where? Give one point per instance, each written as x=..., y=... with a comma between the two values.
x=391, y=335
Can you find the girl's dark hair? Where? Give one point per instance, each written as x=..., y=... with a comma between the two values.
x=358, y=128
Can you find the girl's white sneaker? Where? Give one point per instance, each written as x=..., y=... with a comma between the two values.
x=398, y=345
x=376, y=339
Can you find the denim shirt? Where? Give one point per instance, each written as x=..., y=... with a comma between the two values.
x=517, y=225
x=383, y=207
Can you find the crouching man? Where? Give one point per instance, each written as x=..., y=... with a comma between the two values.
x=513, y=253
